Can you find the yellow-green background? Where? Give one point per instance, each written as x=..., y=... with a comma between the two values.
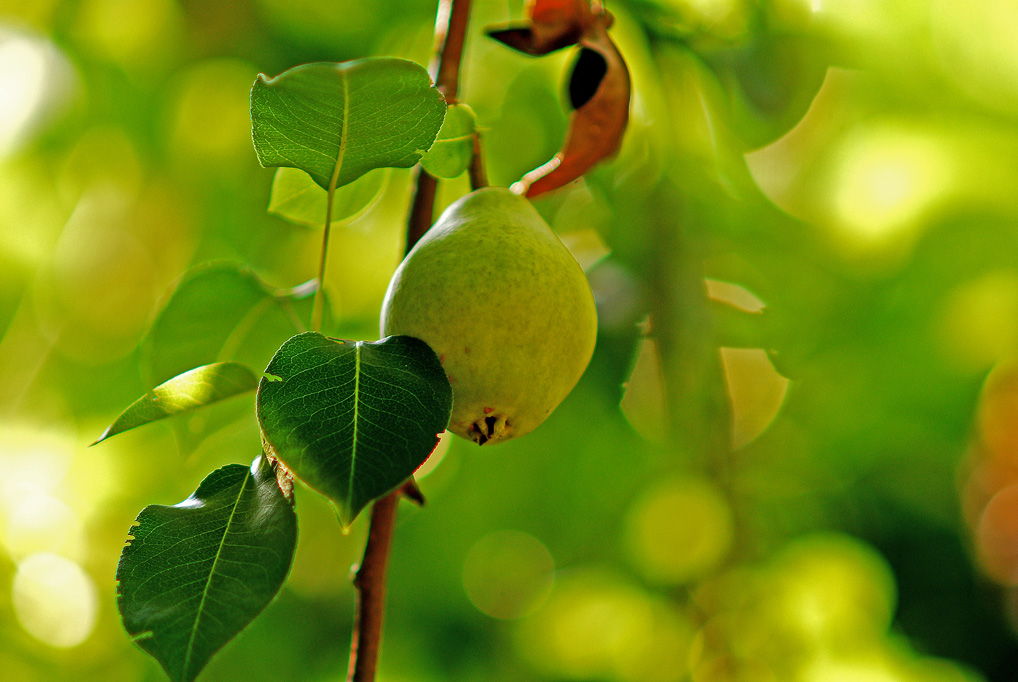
x=850, y=164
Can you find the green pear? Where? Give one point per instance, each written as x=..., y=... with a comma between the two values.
x=504, y=305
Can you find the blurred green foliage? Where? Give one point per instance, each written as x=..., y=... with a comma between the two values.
x=848, y=165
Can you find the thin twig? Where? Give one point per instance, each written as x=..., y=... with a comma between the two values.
x=318, y=305
x=450, y=33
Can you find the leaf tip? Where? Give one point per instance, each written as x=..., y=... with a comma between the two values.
x=342, y=512
x=105, y=434
x=411, y=491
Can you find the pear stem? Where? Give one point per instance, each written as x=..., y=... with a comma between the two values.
x=477, y=171
x=370, y=579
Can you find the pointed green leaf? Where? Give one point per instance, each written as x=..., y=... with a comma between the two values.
x=338, y=121
x=353, y=419
x=453, y=150
x=220, y=311
x=296, y=197
x=196, y=388
x=194, y=575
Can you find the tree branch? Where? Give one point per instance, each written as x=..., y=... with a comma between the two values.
x=478, y=171
x=686, y=339
x=450, y=33
x=422, y=208
x=370, y=584
x=698, y=406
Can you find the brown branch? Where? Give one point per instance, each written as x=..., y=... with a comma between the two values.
x=478, y=171
x=370, y=584
x=450, y=33
x=422, y=208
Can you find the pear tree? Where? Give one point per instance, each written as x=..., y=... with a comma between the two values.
x=487, y=325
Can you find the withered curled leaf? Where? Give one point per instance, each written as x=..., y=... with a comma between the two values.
x=553, y=24
x=599, y=90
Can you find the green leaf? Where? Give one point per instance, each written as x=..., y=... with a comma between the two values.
x=221, y=311
x=196, y=388
x=353, y=419
x=338, y=121
x=770, y=82
x=738, y=328
x=453, y=150
x=193, y=575
x=295, y=197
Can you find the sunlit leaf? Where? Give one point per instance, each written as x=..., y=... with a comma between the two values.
x=194, y=574
x=644, y=402
x=353, y=419
x=220, y=312
x=196, y=388
x=453, y=150
x=756, y=390
x=297, y=198
x=337, y=121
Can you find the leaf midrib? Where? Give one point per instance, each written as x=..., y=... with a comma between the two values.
x=356, y=421
x=342, y=141
x=212, y=572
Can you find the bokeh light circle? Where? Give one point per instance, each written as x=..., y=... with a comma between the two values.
x=678, y=530
x=597, y=625
x=508, y=574
x=55, y=600
x=831, y=590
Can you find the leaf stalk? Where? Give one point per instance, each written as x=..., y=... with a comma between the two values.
x=319, y=303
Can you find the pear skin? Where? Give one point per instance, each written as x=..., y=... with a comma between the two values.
x=505, y=306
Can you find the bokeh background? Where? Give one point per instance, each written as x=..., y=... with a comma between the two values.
x=844, y=174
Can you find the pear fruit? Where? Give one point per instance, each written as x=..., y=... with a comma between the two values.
x=504, y=305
